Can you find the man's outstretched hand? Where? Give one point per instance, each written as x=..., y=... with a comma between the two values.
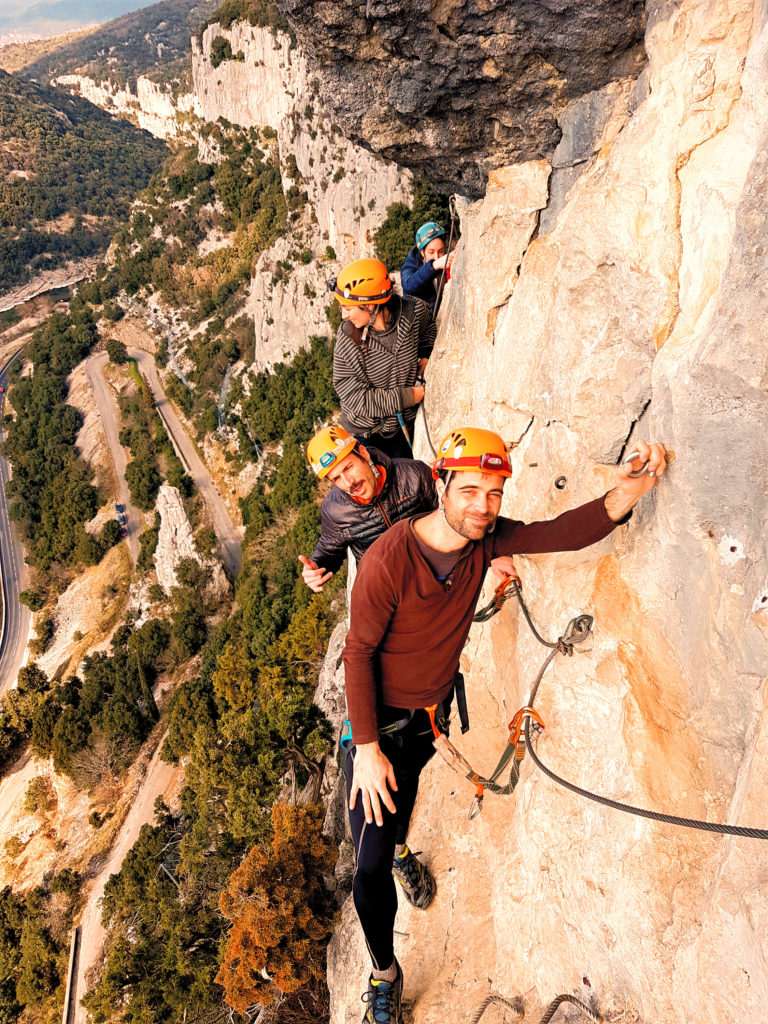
x=373, y=773
x=503, y=566
x=313, y=575
x=628, y=490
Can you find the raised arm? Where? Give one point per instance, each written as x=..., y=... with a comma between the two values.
x=589, y=523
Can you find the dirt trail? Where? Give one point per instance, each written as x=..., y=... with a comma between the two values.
x=110, y=418
x=159, y=779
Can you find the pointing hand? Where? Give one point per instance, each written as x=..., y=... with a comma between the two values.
x=313, y=575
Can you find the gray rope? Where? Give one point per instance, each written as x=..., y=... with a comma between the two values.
x=493, y=998
x=426, y=428
x=551, y=1010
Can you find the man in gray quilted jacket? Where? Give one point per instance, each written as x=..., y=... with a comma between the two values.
x=370, y=493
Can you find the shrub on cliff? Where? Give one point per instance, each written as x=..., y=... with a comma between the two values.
x=280, y=909
x=397, y=234
x=221, y=50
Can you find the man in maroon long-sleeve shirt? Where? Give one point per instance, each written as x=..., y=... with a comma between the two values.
x=411, y=610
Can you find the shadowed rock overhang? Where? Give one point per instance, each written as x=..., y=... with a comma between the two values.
x=452, y=89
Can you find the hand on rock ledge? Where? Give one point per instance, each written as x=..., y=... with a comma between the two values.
x=629, y=490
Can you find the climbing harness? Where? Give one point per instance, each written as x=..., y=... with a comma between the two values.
x=549, y=1011
x=578, y=629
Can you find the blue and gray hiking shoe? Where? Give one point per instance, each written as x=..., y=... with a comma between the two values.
x=417, y=881
x=385, y=999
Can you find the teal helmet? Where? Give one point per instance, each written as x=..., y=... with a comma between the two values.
x=427, y=232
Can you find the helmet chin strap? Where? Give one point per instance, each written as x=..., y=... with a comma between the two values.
x=371, y=319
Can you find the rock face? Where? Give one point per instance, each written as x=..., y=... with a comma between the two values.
x=455, y=88
x=152, y=107
x=348, y=188
x=631, y=301
x=176, y=542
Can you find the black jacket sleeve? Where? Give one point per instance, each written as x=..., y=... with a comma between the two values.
x=331, y=549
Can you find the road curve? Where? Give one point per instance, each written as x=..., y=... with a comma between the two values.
x=106, y=406
x=16, y=616
x=226, y=532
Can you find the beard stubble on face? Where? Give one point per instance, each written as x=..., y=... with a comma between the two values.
x=465, y=527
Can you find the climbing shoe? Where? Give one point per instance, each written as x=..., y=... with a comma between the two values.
x=384, y=1000
x=417, y=881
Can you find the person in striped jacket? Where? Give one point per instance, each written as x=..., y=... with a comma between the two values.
x=380, y=357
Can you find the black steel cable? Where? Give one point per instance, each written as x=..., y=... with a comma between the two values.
x=576, y=632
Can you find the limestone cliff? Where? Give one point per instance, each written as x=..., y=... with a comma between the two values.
x=348, y=189
x=152, y=106
x=455, y=88
x=617, y=290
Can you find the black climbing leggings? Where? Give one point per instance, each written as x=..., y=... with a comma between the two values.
x=374, y=889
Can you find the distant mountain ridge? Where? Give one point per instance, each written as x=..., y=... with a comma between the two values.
x=144, y=42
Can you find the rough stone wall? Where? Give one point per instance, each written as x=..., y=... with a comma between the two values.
x=631, y=302
x=454, y=88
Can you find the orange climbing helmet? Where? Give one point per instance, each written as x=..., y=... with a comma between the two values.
x=362, y=283
x=475, y=450
x=328, y=447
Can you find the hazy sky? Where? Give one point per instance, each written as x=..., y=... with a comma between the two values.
x=50, y=17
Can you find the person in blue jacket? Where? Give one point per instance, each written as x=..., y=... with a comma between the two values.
x=421, y=272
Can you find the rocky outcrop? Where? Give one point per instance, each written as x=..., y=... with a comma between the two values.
x=287, y=312
x=348, y=189
x=631, y=302
x=176, y=542
x=454, y=88
x=153, y=107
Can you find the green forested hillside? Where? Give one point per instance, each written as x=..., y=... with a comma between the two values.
x=68, y=175
x=265, y=13
x=145, y=41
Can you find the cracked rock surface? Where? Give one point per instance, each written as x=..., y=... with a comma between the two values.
x=454, y=88
x=632, y=303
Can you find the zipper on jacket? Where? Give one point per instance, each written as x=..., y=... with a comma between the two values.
x=384, y=515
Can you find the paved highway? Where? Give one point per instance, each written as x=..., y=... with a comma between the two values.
x=16, y=616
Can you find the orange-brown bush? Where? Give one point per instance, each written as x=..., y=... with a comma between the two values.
x=281, y=911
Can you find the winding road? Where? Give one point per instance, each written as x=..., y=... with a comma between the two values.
x=16, y=617
x=226, y=532
x=230, y=543
x=110, y=420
